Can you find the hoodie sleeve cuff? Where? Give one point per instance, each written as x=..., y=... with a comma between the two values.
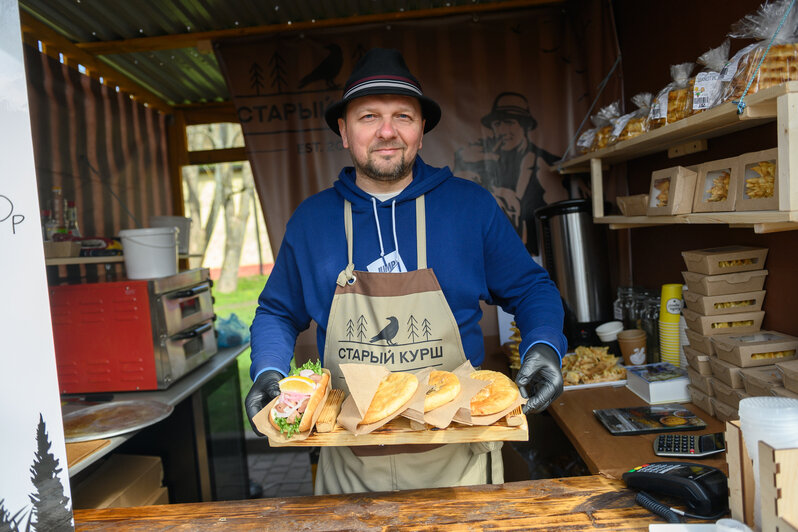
x=548, y=336
x=263, y=370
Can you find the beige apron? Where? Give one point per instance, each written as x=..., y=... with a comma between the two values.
x=400, y=321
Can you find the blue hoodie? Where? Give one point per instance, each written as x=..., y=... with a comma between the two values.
x=471, y=246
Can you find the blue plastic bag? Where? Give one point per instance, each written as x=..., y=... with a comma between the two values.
x=231, y=331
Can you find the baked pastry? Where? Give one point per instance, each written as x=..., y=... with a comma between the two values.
x=495, y=397
x=394, y=391
x=444, y=387
x=633, y=128
x=680, y=102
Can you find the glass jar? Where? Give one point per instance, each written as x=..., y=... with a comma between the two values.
x=649, y=322
x=623, y=302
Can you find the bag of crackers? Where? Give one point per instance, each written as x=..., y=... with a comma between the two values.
x=781, y=62
x=632, y=124
x=675, y=101
x=708, y=85
x=604, y=120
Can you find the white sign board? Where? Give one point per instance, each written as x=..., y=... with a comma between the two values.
x=34, y=482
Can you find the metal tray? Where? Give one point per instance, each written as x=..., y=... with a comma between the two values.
x=112, y=419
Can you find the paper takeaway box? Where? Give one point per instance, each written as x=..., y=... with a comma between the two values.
x=697, y=360
x=789, y=374
x=742, y=323
x=758, y=184
x=671, y=191
x=716, y=186
x=699, y=342
x=728, y=395
x=702, y=382
x=723, y=412
x=726, y=372
x=730, y=283
x=726, y=259
x=725, y=304
x=700, y=399
x=761, y=380
x=636, y=205
x=760, y=349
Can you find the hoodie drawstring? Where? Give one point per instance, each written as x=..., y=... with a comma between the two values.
x=379, y=232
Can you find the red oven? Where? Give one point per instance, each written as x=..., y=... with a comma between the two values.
x=134, y=334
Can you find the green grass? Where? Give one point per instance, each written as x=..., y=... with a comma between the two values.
x=243, y=303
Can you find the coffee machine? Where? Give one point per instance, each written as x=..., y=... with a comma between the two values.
x=574, y=251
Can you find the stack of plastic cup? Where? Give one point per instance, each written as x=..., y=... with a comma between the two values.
x=669, y=313
x=773, y=420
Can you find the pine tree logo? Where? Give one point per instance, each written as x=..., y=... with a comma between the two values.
x=412, y=325
x=350, y=329
x=362, y=325
x=277, y=64
x=51, y=510
x=426, y=329
x=256, y=78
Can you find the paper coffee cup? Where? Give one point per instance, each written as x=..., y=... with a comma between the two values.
x=633, y=346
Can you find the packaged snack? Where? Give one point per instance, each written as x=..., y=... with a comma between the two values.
x=632, y=124
x=675, y=101
x=780, y=63
x=708, y=85
x=585, y=140
x=604, y=120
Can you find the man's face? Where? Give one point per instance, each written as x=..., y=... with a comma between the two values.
x=509, y=134
x=383, y=134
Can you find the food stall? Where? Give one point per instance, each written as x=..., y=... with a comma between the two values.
x=644, y=249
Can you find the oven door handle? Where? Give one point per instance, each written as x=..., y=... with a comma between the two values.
x=193, y=333
x=189, y=292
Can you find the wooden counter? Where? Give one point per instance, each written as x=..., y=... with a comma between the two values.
x=610, y=455
x=575, y=503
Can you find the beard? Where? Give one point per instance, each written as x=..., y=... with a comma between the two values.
x=388, y=171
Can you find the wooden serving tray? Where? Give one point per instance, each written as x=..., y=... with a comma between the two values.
x=400, y=430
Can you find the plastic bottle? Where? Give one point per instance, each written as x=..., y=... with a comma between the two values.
x=57, y=208
x=72, y=220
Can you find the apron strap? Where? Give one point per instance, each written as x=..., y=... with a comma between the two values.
x=421, y=233
x=347, y=275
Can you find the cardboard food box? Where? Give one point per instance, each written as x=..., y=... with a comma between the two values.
x=123, y=480
x=758, y=181
x=741, y=323
x=716, y=186
x=699, y=342
x=697, y=360
x=728, y=395
x=636, y=205
x=60, y=250
x=671, y=191
x=730, y=283
x=700, y=399
x=726, y=259
x=761, y=380
x=702, y=382
x=727, y=372
x=781, y=391
x=760, y=349
x=789, y=374
x=723, y=412
x=725, y=304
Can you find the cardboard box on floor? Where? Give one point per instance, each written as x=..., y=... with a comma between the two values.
x=124, y=480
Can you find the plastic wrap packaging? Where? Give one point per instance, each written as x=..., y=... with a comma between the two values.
x=634, y=123
x=604, y=120
x=585, y=141
x=780, y=63
x=708, y=87
x=675, y=101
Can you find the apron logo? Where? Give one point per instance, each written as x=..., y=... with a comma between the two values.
x=389, y=332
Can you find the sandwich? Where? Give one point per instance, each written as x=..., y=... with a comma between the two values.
x=444, y=387
x=394, y=390
x=301, y=393
x=498, y=395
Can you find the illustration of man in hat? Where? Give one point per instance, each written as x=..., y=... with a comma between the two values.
x=511, y=166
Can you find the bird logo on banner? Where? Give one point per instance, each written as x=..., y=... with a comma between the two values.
x=327, y=69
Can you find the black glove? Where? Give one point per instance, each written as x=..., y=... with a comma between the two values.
x=540, y=378
x=264, y=389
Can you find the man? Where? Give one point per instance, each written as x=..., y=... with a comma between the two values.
x=340, y=265
x=511, y=166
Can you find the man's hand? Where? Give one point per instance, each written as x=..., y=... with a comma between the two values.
x=540, y=378
x=264, y=389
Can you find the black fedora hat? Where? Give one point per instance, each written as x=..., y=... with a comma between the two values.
x=510, y=105
x=382, y=71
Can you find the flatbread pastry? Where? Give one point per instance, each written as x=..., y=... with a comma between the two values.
x=394, y=391
x=495, y=397
x=444, y=388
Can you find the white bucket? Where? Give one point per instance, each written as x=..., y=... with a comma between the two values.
x=182, y=223
x=150, y=252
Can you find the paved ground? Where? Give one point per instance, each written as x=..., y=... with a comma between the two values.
x=280, y=472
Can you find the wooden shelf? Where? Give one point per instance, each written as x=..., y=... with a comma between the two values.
x=65, y=261
x=720, y=120
x=759, y=221
x=778, y=104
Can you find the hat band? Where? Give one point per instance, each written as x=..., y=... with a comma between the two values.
x=381, y=84
x=511, y=109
